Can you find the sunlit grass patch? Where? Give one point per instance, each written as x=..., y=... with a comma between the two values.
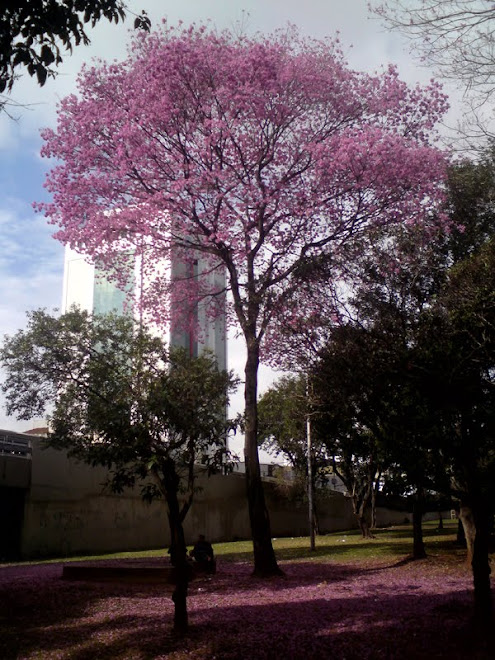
x=389, y=543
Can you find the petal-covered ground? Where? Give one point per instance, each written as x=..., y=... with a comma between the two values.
x=317, y=610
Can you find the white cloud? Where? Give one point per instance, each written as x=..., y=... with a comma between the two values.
x=31, y=265
x=20, y=294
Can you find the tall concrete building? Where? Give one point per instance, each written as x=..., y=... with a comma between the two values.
x=87, y=287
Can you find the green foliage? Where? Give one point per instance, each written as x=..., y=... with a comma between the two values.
x=350, y=383
x=33, y=33
x=471, y=196
x=458, y=360
x=283, y=413
x=408, y=380
x=119, y=398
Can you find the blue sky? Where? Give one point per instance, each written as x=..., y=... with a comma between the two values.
x=31, y=262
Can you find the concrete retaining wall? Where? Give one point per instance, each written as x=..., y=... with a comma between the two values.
x=67, y=511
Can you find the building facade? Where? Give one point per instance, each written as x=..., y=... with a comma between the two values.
x=87, y=286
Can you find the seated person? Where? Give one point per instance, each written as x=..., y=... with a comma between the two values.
x=202, y=553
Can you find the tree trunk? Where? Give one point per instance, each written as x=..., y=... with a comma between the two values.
x=475, y=515
x=178, y=549
x=481, y=562
x=419, y=551
x=361, y=496
x=461, y=535
x=179, y=597
x=364, y=527
x=316, y=519
x=181, y=577
x=360, y=510
x=265, y=563
x=467, y=520
x=440, y=520
x=373, y=506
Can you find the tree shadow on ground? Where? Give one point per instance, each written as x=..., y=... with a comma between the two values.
x=372, y=549
x=44, y=614
x=47, y=617
x=396, y=626
x=387, y=543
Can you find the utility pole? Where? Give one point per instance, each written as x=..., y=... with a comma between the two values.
x=311, y=519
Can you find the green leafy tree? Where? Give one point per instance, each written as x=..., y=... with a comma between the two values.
x=396, y=287
x=33, y=33
x=471, y=197
x=458, y=349
x=434, y=312
x=393, y=285
x=458, y=363
x=407, y=376
x=348, y=385
x=282, y=422
x=283, y=414
x=119, y=399
x=372, y=410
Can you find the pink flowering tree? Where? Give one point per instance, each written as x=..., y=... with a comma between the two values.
x=255, y=154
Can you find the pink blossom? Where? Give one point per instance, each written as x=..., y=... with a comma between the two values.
x=261, y=154
x=260, y=151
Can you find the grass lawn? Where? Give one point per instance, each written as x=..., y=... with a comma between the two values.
x=348, y=599
x=389, y=543
x=348, y=546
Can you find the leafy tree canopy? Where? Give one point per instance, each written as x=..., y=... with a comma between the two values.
x=117, y=397
x=121, y=400
x=282, y=420
x=34, y=33
x=457, y=341
x=471, y=202
x=283, y=415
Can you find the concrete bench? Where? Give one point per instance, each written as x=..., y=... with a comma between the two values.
x=96, y=573
x=120, y=573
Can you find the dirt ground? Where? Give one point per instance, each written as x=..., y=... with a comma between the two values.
x=397, y=610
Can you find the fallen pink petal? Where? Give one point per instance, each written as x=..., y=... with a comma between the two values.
x=366, y=609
